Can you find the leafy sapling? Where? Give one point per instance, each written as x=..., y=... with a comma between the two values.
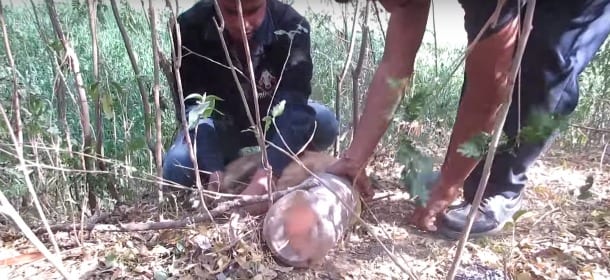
x=205, y=107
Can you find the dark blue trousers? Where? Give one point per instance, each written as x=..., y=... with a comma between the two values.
x=566, y=35
x=219, y=141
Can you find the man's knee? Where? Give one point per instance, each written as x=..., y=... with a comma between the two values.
x=177, y=165
x=327, y=126
x=561, y=45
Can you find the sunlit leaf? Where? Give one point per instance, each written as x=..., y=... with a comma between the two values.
x=278, y=109
x=197, y=96
x=267, y=120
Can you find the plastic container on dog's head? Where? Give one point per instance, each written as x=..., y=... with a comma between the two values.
x=303, y=226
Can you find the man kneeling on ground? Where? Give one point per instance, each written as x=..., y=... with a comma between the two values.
x=277, y=62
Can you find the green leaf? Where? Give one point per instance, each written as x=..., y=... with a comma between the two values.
x=267, y=120
x=53, y=130
x=204, y=109
x=541, y=125
x=193, y=117
x=110, y=260
x=418, y=173
x=278, y=109
x=476, y=147
x=56, y=45
x=415, y=105
x=117, y=87
x=194, y=96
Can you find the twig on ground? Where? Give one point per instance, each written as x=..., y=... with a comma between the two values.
x=8, y=209
x=497, y=132
x=222, y=208
x=600, y=130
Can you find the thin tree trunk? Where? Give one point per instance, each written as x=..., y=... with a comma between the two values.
x=136, y=70
x=16, y=98
x=159, y=140
x=341, y=77
x=358, y=70
x=99, y=132
x=16, y=135
x=82, y=96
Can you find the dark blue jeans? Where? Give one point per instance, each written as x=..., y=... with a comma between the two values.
x=566, y=35
x=218, y=142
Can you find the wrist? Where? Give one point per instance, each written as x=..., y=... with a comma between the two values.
x=354, y=160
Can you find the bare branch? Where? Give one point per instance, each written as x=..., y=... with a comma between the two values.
x=19, y=145
x=507, y=90
x=82, y=96
x=158, y=126
x=358, y=70
x=137, y=73
x=8, y=209
x=260, y=134
x=341, y=77
x=176, y=62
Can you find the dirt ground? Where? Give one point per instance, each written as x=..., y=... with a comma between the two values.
x=562, y=234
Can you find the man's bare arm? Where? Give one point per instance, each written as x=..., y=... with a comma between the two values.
x=406, y=28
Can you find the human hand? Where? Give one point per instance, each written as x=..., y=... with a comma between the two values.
x=258, y=185
x=441, y=196
x=347, y=168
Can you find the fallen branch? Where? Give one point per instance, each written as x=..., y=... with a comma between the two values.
x=222, y=208
x=594, y=129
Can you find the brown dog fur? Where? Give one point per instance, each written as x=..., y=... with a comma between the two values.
x=239, y=171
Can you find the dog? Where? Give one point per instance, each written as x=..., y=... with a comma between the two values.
x=239, y=171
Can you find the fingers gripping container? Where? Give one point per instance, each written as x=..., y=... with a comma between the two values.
x=303, y=226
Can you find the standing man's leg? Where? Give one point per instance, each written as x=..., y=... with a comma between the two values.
x=565, y=37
